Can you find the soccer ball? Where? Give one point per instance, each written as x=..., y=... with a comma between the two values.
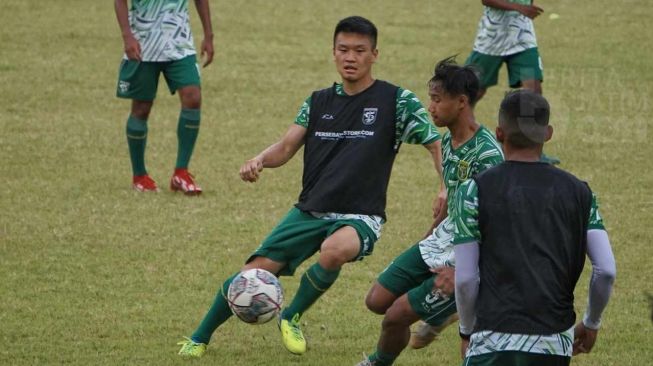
x=255, y=296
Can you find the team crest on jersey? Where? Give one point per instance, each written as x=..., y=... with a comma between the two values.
x=463, y=170
x=369, y=115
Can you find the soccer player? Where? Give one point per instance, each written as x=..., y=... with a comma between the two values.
x=157, y=39
x=506, y=35
x=351, y=133
x=404, y=291
x=522, y=231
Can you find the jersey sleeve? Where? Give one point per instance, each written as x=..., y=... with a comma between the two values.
x=303, y=114
x=465, y=214
x=413, y=123
x=596, y=221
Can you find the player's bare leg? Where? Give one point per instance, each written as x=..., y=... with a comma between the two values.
x=395, y=333
x=379, y=299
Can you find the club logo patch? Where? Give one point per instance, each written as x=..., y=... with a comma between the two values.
x=369, y=115
x=123, y=86
x=463, y=170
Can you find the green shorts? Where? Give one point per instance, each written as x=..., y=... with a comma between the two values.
x=299, y=235
x=515, y=358
x=525, y=65
x=140, y=80
x=408, y=274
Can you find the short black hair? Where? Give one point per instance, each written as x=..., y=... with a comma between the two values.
x=358, y=25
x=455, y=79
x=524, y=118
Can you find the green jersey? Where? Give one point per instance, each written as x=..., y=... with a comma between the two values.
x=412, y=122
x=480, y=152
x=162, y=28
x=503, y=33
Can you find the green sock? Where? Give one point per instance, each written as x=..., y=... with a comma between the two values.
x=218, y=314
x=136, y=140
x=315, y=281
x=382, y=359
x=187, y=130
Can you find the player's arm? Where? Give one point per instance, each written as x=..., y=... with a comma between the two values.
x=466, y=252
x=204, y=12
x=530, y=11
x=440, y=202
x=415, y=127
x=604, y=271
x=275, y=155
x=467, y=281
x=131, y=45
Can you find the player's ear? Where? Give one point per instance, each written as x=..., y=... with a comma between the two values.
x=463, y=100
x=549, y=133
x=375, y=53
x=499, y=134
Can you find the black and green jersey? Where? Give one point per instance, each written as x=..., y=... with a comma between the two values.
x=412, y=122
x=466, y=214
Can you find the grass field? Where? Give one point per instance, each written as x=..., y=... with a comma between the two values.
x=92, y=273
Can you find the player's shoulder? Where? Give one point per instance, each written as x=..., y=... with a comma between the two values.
x=485, y=135
x=564, y=175
x=330, y=89
x=489, y=147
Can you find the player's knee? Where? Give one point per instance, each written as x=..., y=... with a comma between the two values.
x=374, y=305
x=191, y=97
x=334, y=256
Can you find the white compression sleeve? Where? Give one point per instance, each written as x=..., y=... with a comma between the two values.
x=467, y=282
x=604, y=271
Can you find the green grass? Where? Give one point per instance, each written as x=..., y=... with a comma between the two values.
x=95, y=274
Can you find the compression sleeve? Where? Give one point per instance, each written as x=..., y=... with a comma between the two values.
x=604, y=271
x=467, y=282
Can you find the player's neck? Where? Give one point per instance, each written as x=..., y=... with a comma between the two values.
x=523, y=155
x=463, y=129
x=355, y=87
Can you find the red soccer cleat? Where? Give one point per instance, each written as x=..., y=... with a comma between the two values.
x=143, y=183
x=183, y=181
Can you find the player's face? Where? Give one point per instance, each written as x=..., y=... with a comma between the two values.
x=354, y=56
x=444, y=108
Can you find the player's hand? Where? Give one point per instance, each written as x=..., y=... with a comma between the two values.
x=445, y=280
x=584, y=338
x=464, y=344
x=249, y=172
x=207, y=51
x=530, y=11
x=132, y=48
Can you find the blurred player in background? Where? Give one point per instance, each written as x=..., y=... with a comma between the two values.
x=351, y=133
x=522, y=232
x=157, y=39
x=506, y=35
x=404, y=291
